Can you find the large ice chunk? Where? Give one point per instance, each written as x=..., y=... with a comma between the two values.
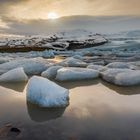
x=119, y=65
x=129, y=78
x=122, y=77
x=73, y=62
x=46, y=93
x=31, y=66
x=96, y=67
x=71, y=73
x=15, y=75
x=109, y=74
x=51, y=72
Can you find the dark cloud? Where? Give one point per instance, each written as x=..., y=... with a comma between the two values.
x=12, y=1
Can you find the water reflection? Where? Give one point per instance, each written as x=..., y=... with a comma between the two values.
x=96, y=111
x=74, y=84
x=38, y=114
x=19, y=86
x=131, y=90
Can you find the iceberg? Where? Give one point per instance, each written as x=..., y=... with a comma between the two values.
x=129, y=78
x=109, y=74
x=96, y=67
x=71, y=73
x=73, y=62
x=122, y=77
x=4, y=59
x=15, y=75
x=119, y=65
x=45, y=93
x=51, y=72
x=31, y=66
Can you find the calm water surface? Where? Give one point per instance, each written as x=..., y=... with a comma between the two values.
x=97, y=111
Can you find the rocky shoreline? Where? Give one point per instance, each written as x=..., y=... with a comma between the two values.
x=60, y=42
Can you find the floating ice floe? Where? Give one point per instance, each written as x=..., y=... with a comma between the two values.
x=31, y=66
x=119, y=65
x=15, y=75
x=72, y=62
x=109, y=74
x=4, y=59
x=80, y=57
x=125, y=54
x=96, y=67
x=46, y=93
x=102, y=63
x=128, y=78
x=136, y=63
x=70, y=73
x=51, y=72
x=122, y=77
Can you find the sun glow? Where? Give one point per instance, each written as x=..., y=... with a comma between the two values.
x=52, y=15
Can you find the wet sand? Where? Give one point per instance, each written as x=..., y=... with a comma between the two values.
x=97, y=111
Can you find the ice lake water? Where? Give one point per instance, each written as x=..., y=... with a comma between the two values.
x=97, y=111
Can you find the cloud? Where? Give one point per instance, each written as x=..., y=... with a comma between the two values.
x=96, y=24
x=29, y=16
x=33, y=9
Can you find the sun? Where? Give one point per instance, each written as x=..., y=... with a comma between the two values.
x=52, y=15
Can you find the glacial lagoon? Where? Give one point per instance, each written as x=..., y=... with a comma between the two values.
x=97, y=110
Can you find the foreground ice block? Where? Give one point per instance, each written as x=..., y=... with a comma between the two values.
x=14, y=75
x=71, y=74
x=46, y=93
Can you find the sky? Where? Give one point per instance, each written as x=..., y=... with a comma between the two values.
x=34, y=9
x=23, y=11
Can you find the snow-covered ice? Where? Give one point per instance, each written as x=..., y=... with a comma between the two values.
x=59, y=41
x=46, y=93
x=14, y=75
x=71, y=73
